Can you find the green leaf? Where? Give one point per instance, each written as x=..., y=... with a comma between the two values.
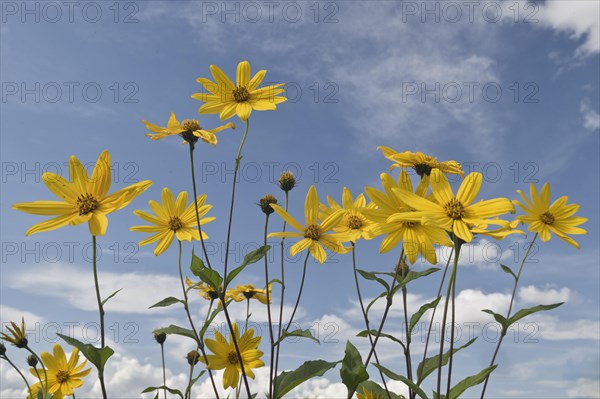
x=297, y=333
x=397, y=377
x=431, y=363
x=160, y=388
x=373, y=277
x=250, y=258
x=353, y=371
x=499, y=318
x=373, y=302
x=469, y=382
x=110, y=296
x=377, y=390
x=412, y=276
x=176, y=330
x=508, y=270
x=527, y=311
x=365, y=333
x=276, y=280
x=196, y=265
x=96, y=356
x=288, y=380
x=417, y=316
x=193, y=381
x=166, y=302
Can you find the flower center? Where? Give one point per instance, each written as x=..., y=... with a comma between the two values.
x=232, y=358
x=190, y=125
x=87, y=203
x=240, y=94
x=547, y=218
x=313, y=232
x=62, y=376
x=454, y=209
x=175, y=223
x=410, y=225
x=354, y=222
x=423, y=169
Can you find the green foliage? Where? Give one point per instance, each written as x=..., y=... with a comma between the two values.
x=353, y=371
x=288, y=380
x=96, y=356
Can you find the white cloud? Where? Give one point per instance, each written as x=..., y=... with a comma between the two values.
x=591, y=117
x=535, y=296
x=140, y=290
x=578, y=18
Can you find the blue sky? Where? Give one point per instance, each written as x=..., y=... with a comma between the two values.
x=510, y=89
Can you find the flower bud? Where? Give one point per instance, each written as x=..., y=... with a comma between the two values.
x=2, y=349
x=192, y=357
x=287, y=181
x=32, y=361
x=160, y=337
x=265, y=204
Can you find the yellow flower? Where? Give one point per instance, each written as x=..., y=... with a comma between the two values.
x=417, y=238
x=206, y=292
x=368, y=395
x=189, y=129
x=16, y=335
x=173, y=218
x=225, y=355
x=421, y=163
x=227, y=99
x=456, y=214
x=314, y=235
x=353, y=222
x=248, y=291
x=63, y=376
x=84, y=199
x=543, y=218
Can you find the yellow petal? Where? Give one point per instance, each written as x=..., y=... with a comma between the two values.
x=469, y=188
x=168, y=202
x=256, y=80
x=317, y=251
x=51, y=224
x=243, y=110
x=243, y=74
x=221, y=78
x=78, y=175
x=101, y=177
x=60, y=187
x=440, y=187
x=45, y=207
x=300, y=246
x=228, y=110
x=311, y=206
x=287, y=217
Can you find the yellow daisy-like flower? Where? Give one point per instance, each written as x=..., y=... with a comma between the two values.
x=226, y=99
x=543, y=218
x=83, y=199
x=248, y=291
x=417, y=238
x=368, y=395
x=63, y=376
x=225, y=356
x=314, y=235
x=205, y=291
x=173, y=218
x=16, y=335
x=189, y=129
x=353, y=222
x=423, y=164
x=457, y=214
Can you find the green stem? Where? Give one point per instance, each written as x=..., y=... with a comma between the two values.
x=100, y=310
x=196, y=205
x=188, y=391
x=162, y=355
x=21, y=374
x=383, y=319
x=512, y=298
x=458, y=243
x=366, y=318
x=269, y=310
x=197, y=338
x=228, y=241
x=420, y=372
x=39, y=359
x=280, y=321
x=299, y=292
x=411, y=393
x=444, y=318
x=235, y=171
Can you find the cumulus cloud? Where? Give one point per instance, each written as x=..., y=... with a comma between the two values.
x=591, y=117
